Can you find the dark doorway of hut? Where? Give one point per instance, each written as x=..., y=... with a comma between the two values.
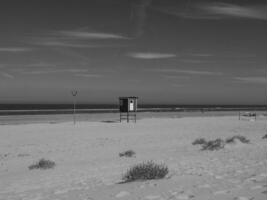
x=128, y=108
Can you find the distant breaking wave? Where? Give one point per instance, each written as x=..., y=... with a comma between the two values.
x=42, y=109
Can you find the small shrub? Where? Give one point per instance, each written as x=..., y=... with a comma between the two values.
x=237, y=137
x=43, y=164
x=264, y=137
x=199, y=141
x=129, y=153
x=213, y=145
x=146, y=171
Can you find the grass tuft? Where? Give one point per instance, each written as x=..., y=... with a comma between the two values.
x=146, y=171
x=43, y=164
x=237, y=137
x=128, y=153
x=220, y=143
x=199, y=141
x=213, y=145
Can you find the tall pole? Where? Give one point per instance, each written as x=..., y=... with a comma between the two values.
x=74, y=94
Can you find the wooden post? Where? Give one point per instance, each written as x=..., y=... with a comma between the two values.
x=74, y=111
x=74, y=94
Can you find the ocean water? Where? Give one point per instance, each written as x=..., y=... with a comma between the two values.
x=33, y=113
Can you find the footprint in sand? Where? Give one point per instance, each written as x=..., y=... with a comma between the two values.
x=263, y=175
x=122, y=194
x=256, y=187
x=204, y=186
x=221, y=192
x=218, y=177
x=153, y=197
x=63, y=191
x=184, y=196
x=243, y=198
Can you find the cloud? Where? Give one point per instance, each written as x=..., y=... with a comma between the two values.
x=148, y=56
x=216, y=11
x=54, y=43
x=190, y=72
x=7, y=75
x=139, y=15
x=177, y=85
x=201, y=54
x=89, y=75
x=176, y=76
x=231, y=10
x=91, y=35
x=52, y=71
x=78, y=39
x=14, y=49
x=252, y=79
x=179, y=12
x=194, y=61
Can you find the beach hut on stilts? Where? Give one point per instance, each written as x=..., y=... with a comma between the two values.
x=128, y=108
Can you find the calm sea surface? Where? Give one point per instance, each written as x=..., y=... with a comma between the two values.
x=110, y=117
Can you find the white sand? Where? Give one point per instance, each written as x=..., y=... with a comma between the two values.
x=88, y=165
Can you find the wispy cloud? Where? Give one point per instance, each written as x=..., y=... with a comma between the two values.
x=252, y=79
x=195, y=61
x=52, y=71
x=139, y=15
x=7, y=75
x=14, y=49
x=201, y=55
x=150, y=55
x=91, y=35
x=190, y=72
x=176, y=85
x=176, y=76
x=72, y=44
x=79, y=39
x=89, y=75
x=194, y=13
x=232, y=10
x=216, y=11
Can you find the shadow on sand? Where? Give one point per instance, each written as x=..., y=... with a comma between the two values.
x=111, y=121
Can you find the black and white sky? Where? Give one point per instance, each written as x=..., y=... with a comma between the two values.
x=163, y=51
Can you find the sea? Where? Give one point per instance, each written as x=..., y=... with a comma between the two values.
x=31, y=109
x=109, y=113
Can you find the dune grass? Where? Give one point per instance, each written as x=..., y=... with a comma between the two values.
x=199, y=141
x=237, y=137
x=213, y=145
x=128, y=153
x=43, y=164
x=219, y=143
x=146, y=171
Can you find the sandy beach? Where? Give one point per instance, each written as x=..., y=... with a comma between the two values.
x=190, y=76
x=88, y=165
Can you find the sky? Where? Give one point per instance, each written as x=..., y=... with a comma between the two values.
x=163, y=51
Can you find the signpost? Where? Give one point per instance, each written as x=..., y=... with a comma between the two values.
x=74, y=94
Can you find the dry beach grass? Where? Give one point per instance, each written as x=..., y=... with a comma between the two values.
x=43, y=164
x=146, y=171
x=128, y=153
